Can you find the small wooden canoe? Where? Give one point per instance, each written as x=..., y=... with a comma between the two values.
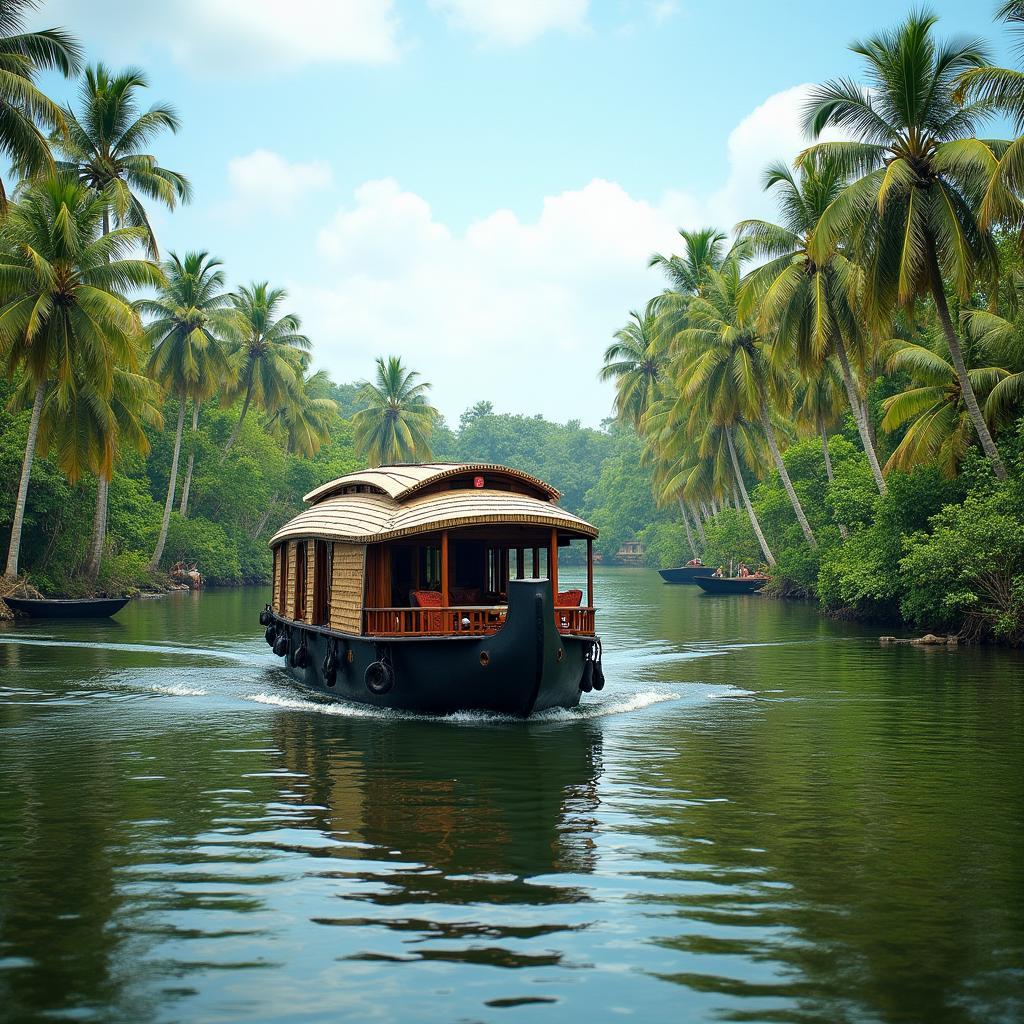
x=730, y=584
x=685, y=573
x=83, y=608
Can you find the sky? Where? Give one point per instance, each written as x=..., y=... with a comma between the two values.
x=475, y=185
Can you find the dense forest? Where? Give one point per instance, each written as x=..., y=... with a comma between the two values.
x=837, y=395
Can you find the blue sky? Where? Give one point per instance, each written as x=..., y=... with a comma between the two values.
x=474, y=184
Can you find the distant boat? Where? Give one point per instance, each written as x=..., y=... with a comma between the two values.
x=730, y=584
x=84, y=608
x=685, y=573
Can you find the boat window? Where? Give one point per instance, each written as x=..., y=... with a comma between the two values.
x=321, y=582
x=300, y=580
x=282, y=577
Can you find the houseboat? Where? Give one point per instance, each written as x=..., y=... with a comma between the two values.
x=434, y=588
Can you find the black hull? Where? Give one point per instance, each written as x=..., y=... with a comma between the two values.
x=526, y=667
x=726, y=585
x=89, y=608
x=684, y=573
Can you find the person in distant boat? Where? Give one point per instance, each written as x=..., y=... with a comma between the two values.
x=694, y=563
x=743, y=572
x=718, y=573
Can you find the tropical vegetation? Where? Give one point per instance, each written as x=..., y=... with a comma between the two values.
x=840, y=393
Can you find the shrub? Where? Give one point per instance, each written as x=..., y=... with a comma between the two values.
x=968, y=572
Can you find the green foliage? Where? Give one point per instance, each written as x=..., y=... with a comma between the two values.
x=620, y=502
x=665, y=544
x=208, y=545
x=731, y=539
x=967, y=571
x=863, y=578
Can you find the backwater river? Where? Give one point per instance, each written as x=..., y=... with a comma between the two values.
x=765, y=816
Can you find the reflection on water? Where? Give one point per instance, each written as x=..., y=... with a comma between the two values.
x=765, y=816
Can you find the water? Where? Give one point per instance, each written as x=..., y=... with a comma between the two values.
x=764, y=817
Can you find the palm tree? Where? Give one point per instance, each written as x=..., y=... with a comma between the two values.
x=89, y=434
x=703, y=250
x=723, y=369
x=397, y=422
x=819, y=407
x=809, y=302
x=939, y=430
x=306, y=419
x=188, y=356
x=23, y=108
x=63, y=314
x=912, y=210
x=1003, y=89
x=104, y=142
x=269, y=355
x=636, y=361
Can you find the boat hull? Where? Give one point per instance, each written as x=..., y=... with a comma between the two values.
x=525, y=667
x=684, y=573
x=727, y=585
x=91, y=608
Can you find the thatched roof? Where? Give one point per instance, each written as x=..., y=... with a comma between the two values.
x=395, y=508
x=400, y=482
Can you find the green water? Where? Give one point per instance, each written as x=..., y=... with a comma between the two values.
x=764, y=817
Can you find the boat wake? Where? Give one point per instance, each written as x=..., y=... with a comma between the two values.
x=589, y=709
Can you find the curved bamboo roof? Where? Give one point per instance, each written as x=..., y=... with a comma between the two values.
x=399, y=482
x=372, y=517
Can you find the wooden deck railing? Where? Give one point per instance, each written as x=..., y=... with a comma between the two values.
x=476, y=621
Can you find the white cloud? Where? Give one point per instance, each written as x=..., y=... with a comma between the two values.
x=513, y=22
x=516, y=310
x=662, y=10
x=241, y=34
x=265, y=180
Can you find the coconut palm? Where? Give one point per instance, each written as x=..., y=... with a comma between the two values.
x=636, y=361
x=809, y=302
x=188, y=355
x=25, y=112
x=996, y=338
x=87, y=435
x=1003, y=89
x=724, y=370
x=921, y=179
x=397, y=422
x=269, y=353
x=306, y=418
x=104, y=146
x=703, y=250
x=63, y=314
x=939, y=430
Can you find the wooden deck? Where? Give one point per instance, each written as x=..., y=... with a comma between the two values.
x=475, y=621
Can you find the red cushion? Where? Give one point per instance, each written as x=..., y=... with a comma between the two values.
x=427, y=598
x=570, y=598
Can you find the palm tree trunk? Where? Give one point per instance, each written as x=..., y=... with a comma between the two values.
x=859, y=416
x=154, y=562
x=696, y=522
x=970, y=400
x=686, y=523
x=773, y=445
x=99, y=529
x=843, y=532
x=14, y=549
x=183, y=509
x=765, y=550
x=241, y=418
x=261, y=525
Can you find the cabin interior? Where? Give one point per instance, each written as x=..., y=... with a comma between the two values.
x=448, y=582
